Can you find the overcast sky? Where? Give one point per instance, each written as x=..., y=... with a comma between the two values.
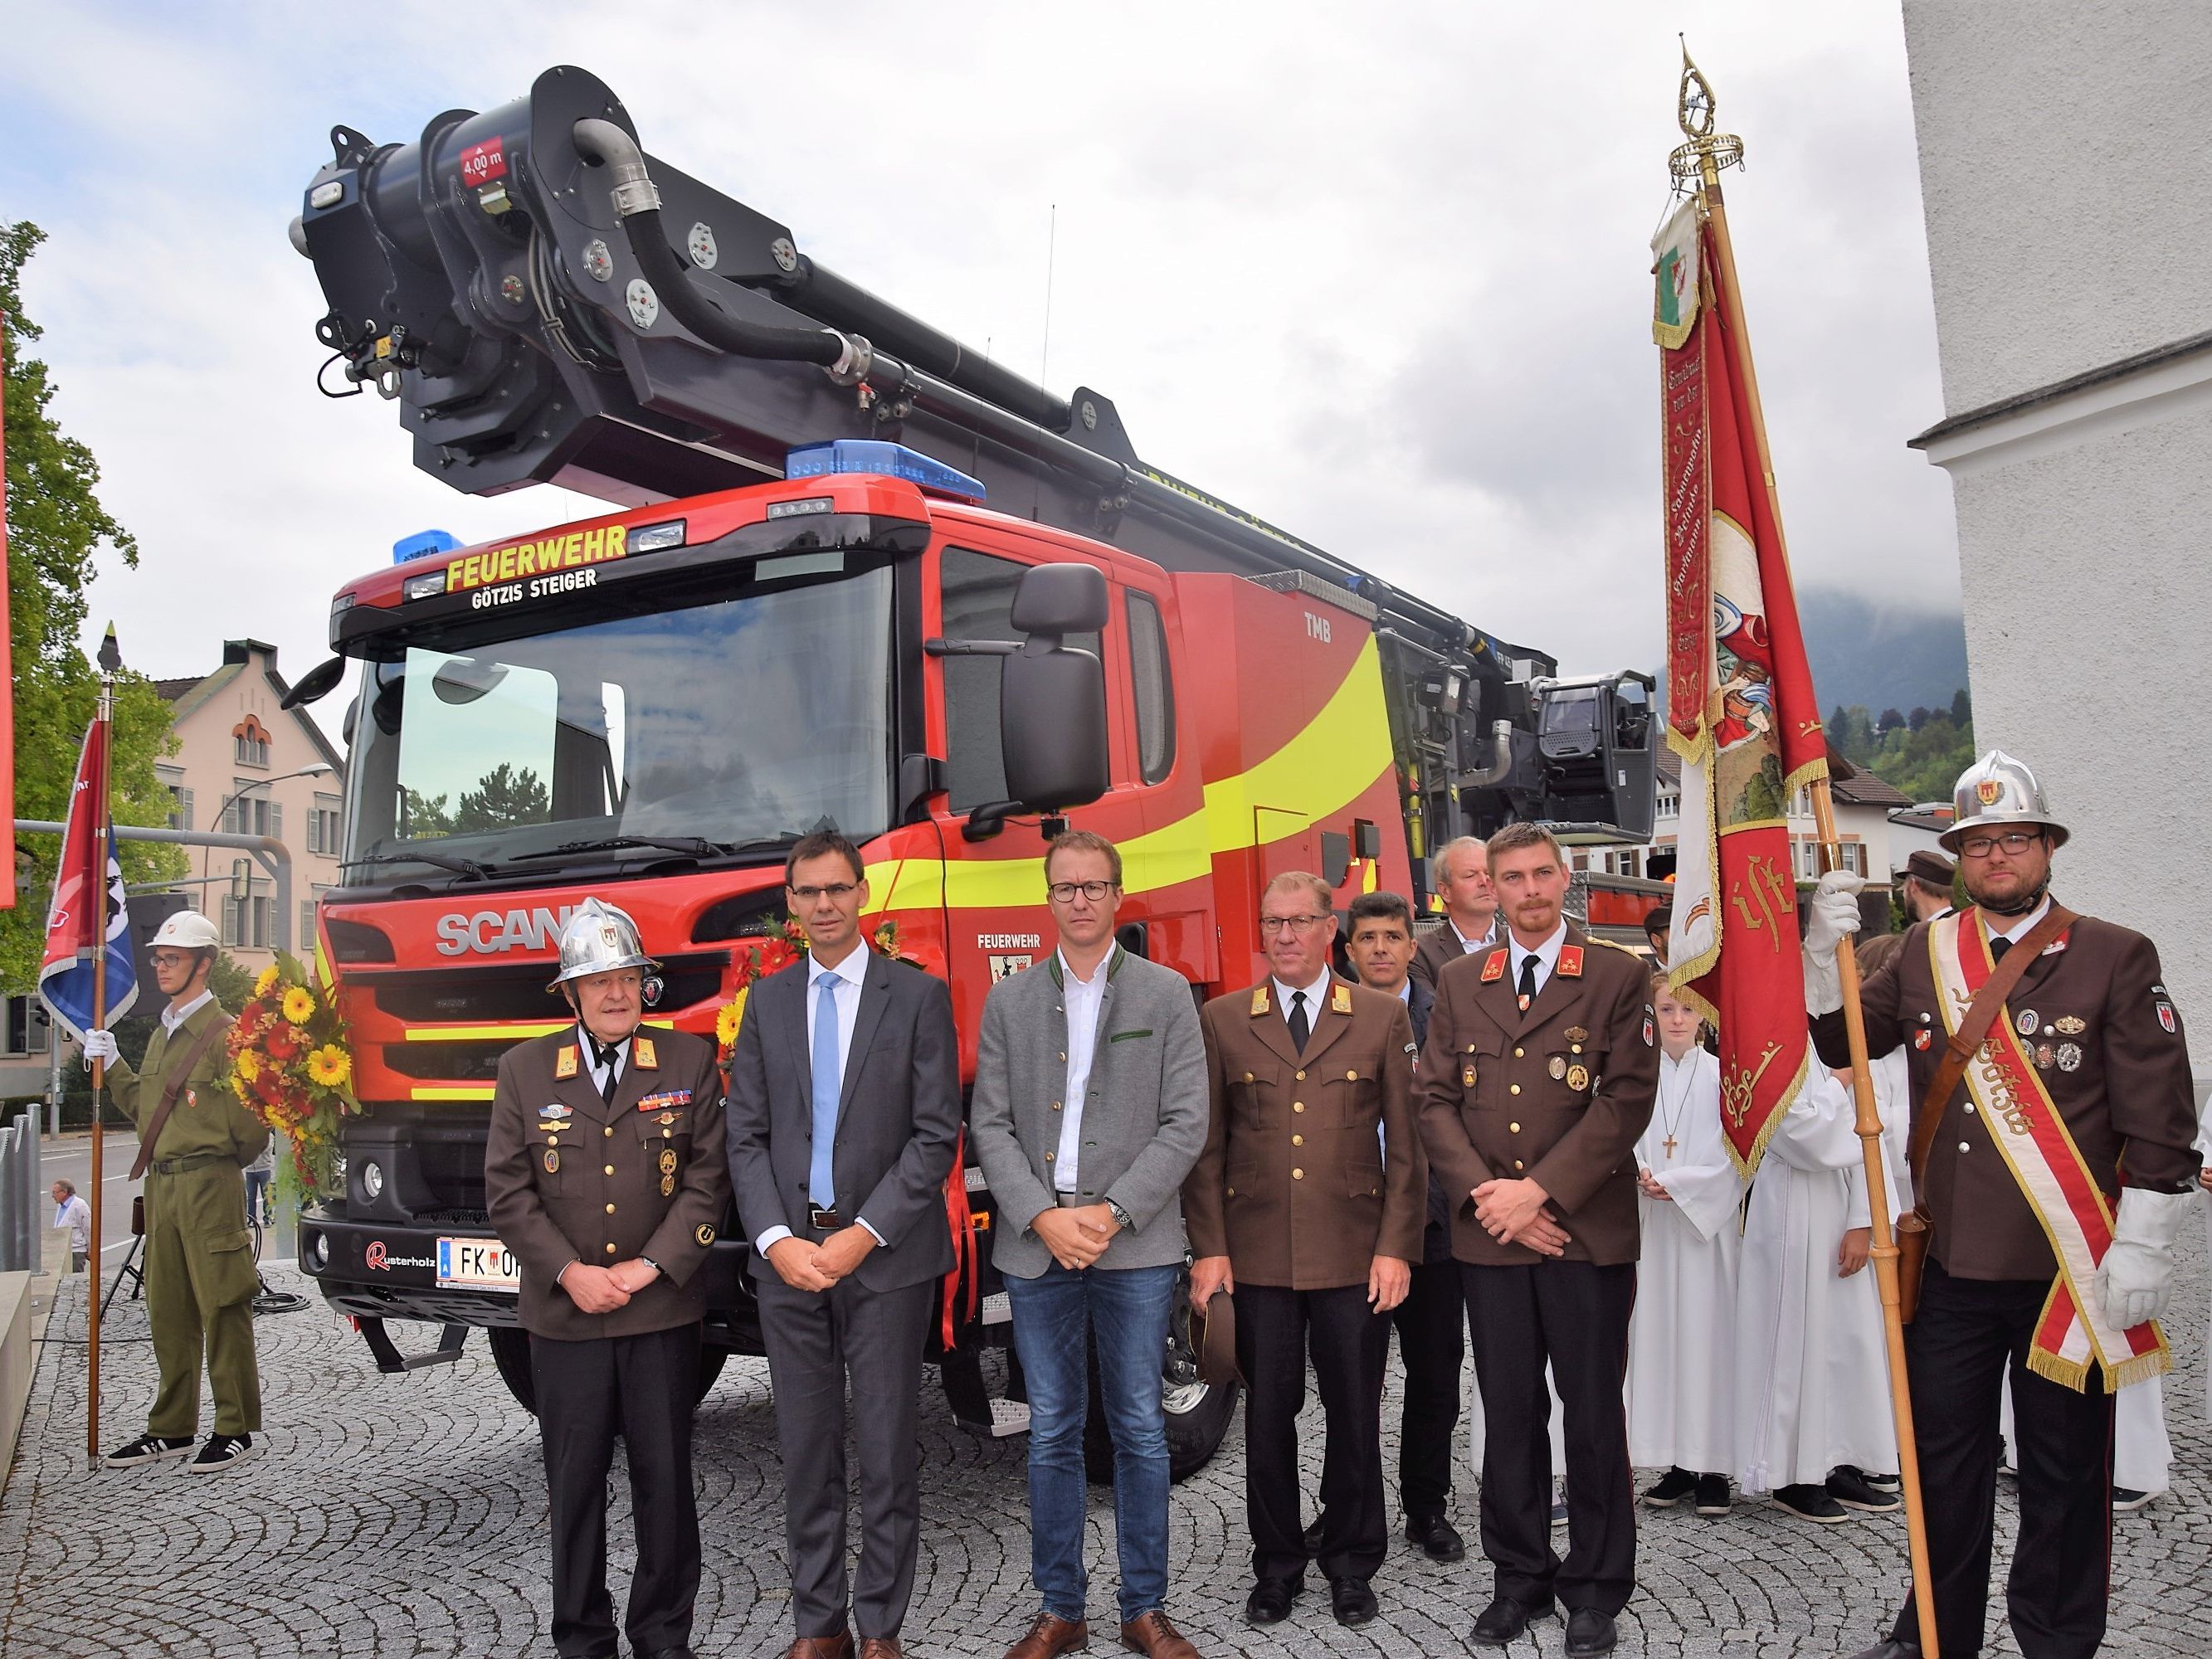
x=1377, y=275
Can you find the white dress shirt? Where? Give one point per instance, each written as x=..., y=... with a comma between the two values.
x=592, y=1060
x=1082, y=999
x=2020, y=929
x=1465, y=944
x=1317, y=998
x=1546, y=955
x=173, y=1017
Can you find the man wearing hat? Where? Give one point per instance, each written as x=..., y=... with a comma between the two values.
x=603, y=1174
x=1926, y=889
x=2055, y=1182
x=1658, y=925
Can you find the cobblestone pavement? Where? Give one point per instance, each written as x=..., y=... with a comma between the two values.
x=403, y=1517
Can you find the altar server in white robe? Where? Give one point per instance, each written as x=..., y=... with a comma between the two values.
x=1812, y=1380
x=1681, y=1351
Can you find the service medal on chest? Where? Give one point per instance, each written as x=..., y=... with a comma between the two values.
x=552, y=1160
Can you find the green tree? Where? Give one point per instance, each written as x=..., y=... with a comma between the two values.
x=1962, y=710
x=55, y=525
x=502, y=796
x=422, y=816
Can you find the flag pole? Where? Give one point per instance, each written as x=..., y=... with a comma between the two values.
x=110, y=659
x=1712, y=151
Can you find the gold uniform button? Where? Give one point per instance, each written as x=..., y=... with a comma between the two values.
x=1518, y=1164
x=1297, y=1105
x=1063, y=1056
x=610, y=1249
x=611, y=1169
x=1055, y=1105
x=1516, y=1053
x=1248, y=1077
x=611, y=1209
x=1514, y=1128
x=1297, y=1141
x=1514, y=1089
x=609, y=1132
x=1302, y=1077
x=1048, y=1158
x=1297, y=1175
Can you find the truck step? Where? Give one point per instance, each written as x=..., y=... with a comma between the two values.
x=1008, y=1417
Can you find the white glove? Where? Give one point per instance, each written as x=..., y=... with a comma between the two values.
x=101, y=1046
x=2135, y=1279
x=1832, y=916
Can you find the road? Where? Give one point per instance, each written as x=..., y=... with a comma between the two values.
x=69, y=1156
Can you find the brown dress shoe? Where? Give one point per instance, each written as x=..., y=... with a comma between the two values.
x=1050, y=1636
x=1150, y=1633
x=881, y=1647
x=839, y=1646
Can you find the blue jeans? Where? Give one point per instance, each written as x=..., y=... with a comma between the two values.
x=1126, y=1309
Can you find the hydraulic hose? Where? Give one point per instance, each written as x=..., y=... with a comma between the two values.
x=637, y=204
x=1501, y=765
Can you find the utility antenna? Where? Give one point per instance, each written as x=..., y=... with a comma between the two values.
x=1051, y=241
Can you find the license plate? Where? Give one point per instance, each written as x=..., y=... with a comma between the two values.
x=479, y=1264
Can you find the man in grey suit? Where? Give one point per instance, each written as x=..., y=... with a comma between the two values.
x=1463, y=878
x=1089, y=1108
x=844, y=1116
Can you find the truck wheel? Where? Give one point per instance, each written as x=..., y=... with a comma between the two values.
x=510, y=1352
x=1197, y=1414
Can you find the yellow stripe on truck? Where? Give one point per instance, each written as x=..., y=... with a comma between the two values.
x=1328, y=764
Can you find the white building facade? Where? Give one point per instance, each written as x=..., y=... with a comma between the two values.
x=2063, y=176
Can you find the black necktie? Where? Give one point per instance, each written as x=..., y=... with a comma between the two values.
x=1527, y=979
x=604, y=1057
x=1301, y=1027
x=1999, y=946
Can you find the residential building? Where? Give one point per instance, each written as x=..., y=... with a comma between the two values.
x=247, y=766
x=1864, y=832
x=2062, y=174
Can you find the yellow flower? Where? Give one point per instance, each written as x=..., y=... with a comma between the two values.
x=299, y=1004
x=264, y=980
x=330, y=1066
x=249, y=1064
x=732, y=1014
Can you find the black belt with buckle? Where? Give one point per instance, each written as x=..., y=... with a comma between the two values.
x=822, y=1221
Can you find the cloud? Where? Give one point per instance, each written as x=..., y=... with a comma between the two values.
x=1380, y=278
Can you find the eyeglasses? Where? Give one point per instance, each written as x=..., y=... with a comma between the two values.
x=837, y=892
x=1295, y=924
x=1064, y=892
x=2013, y=841
x=168, y=959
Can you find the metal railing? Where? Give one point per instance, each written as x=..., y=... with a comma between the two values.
x=22, y=1225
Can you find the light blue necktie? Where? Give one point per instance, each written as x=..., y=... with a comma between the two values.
x=821, y=1181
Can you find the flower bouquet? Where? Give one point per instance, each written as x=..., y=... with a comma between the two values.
x=291, y=1067
x=771, y=955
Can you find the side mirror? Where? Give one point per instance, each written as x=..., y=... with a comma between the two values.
x=317, y=683
x=1052, y=698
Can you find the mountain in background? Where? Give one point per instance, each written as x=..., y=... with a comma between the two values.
x=1878, y=655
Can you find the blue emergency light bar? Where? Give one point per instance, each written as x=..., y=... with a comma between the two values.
x=422, y=544
x=888, y=460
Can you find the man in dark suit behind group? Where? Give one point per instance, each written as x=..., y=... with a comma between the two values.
x=844, y=1117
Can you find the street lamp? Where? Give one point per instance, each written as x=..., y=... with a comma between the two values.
x=320, y=768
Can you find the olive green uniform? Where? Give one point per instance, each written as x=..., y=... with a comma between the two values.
x=200, y=1272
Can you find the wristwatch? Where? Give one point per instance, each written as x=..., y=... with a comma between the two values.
x=1120, y=1216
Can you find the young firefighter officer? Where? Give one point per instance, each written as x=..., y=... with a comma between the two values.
x=603, y=1174
x=194, y=1140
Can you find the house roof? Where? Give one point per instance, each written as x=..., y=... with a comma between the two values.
x=1865, y=789
x=1936, y=819
x=188, y=693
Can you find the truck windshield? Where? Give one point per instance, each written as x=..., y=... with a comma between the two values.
x=742, y=721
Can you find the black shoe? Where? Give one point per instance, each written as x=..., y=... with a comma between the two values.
x=1438, y=1539
x=1810, y=1504
x=1675, y=1487
x=1269, y=1603
x=1589, y=1632
x=147, y=1448
x=223, y=1451
x=1850, y=1489
x=1712, y=1494
x=1313, y=1535
x=1890, y=1647
x=1560, y=1508
x=664, y=1653
x=1505, y=1619
x=1350, y=1600
x=2126, y=1499
x=1881, y=1482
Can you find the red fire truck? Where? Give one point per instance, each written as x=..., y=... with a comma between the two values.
x=857, y=575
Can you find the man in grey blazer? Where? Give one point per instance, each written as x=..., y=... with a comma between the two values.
x=1089, y=1108
x=844, y=1115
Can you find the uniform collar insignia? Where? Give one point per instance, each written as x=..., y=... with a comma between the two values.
x=1339, y=1000
x=564, y=1063
x=1494, y=968
x=1260, y=998
x=1571, y=962
x=641, y=1051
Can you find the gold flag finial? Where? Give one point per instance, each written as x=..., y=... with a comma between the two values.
x=1696, y=112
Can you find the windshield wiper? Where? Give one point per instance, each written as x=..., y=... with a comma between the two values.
x=468, y=867
x=691, y=844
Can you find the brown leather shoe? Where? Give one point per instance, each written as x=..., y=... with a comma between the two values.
x=1050, y=1636
x=839, y=1646
x=881, y=1647
x=1150, y=1633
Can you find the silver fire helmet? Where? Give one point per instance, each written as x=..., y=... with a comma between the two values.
x=597, y=938
x=1997, y=792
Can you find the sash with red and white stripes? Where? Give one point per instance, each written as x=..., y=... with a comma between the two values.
x=2073, y=1330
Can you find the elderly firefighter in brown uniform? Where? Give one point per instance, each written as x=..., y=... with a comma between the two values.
x=2054, y=1184
x=194, y=1140
x=1536, y=1079
x=1307, y=1205
x=604, y=1175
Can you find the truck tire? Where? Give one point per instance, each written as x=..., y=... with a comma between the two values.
x=1197, y=1414
x=510, y=1352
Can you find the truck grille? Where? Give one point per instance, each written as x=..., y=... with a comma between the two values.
x=487, y=994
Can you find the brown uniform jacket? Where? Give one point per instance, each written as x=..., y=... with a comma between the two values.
x=2094, y=1016
x=1439, y=949
x=584, y=1184
x=1293, y=1187
x=1558, y=1094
